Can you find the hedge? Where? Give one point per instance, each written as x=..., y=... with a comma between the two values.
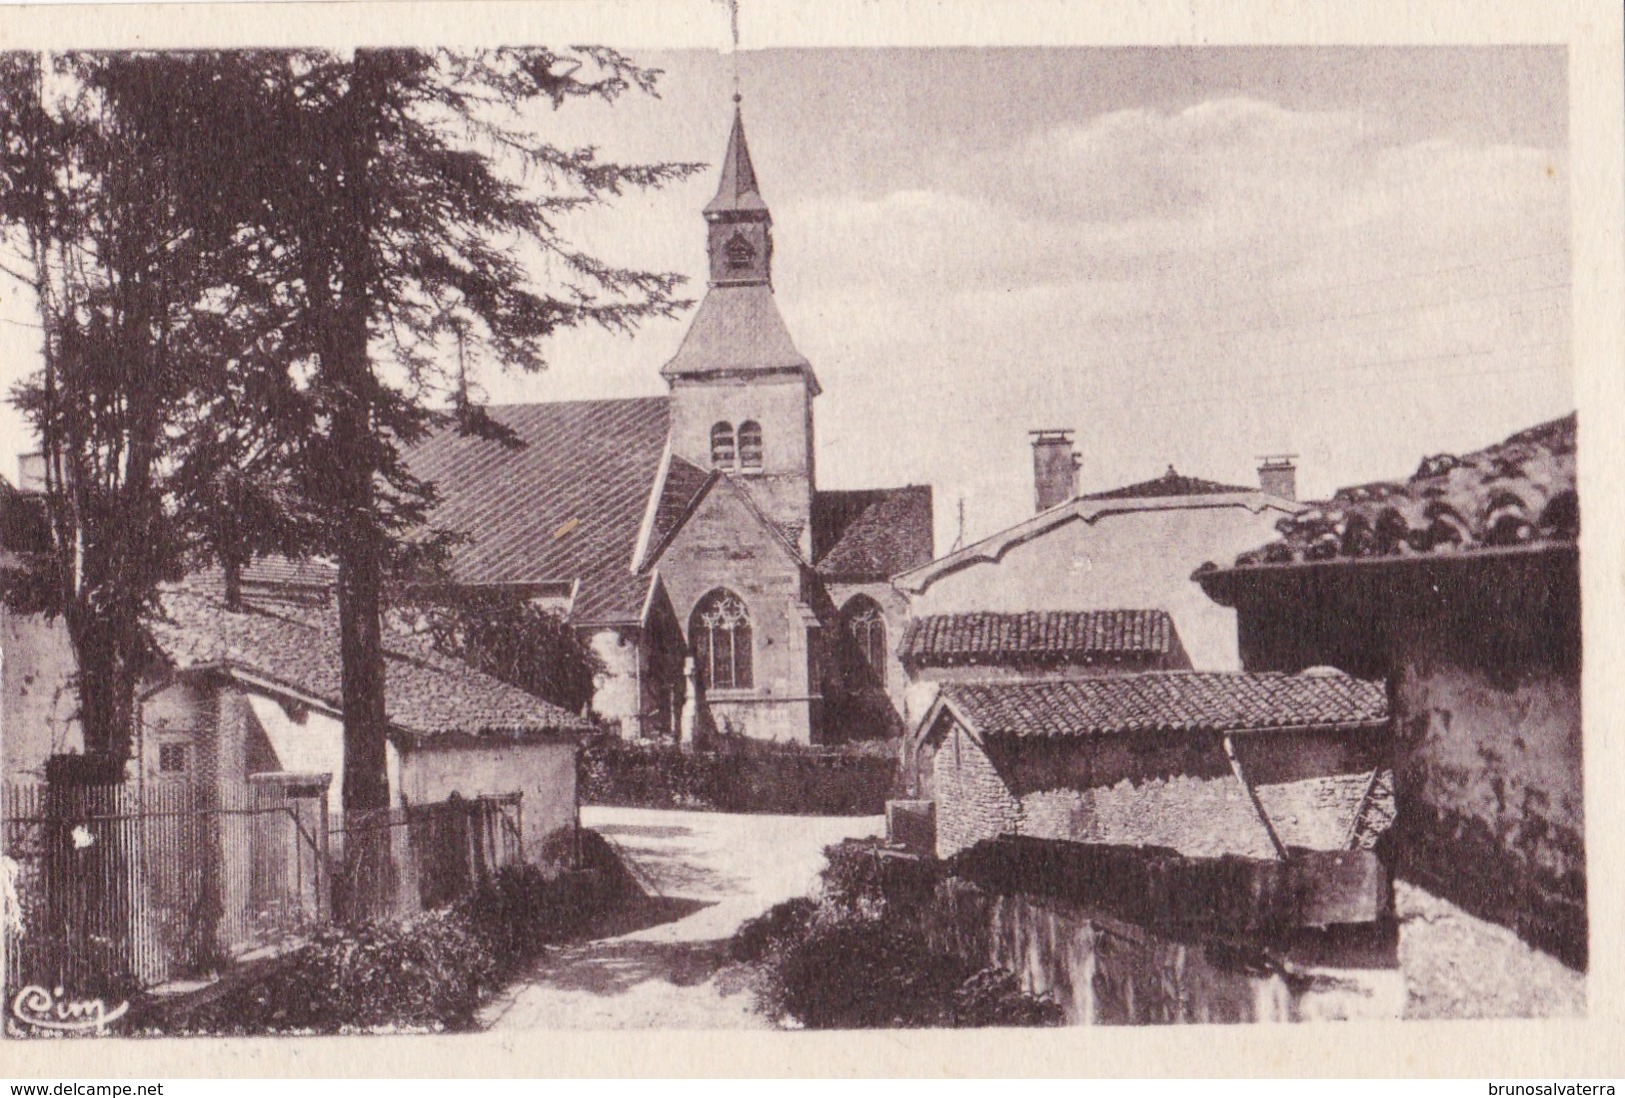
x=734, y=775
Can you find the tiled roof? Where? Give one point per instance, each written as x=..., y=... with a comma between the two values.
x=274, y=576
x=1172, y=701
x=737, y=328
x=873, y=533
x=429, y=696
x=1058, y=635
x=684, y=481
x=566, y=505
x=1516, y=493
x=1169, y=484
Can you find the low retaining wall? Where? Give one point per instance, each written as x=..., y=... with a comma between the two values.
x=1070, y=942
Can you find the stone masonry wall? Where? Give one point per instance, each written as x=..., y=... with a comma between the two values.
x=725, y=545
x=973, y=800
x=1174, y=791
x=1490, y=793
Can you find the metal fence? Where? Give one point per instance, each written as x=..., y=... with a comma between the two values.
x=129, y=886
x=124, y=887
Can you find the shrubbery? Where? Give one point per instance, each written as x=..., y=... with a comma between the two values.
x=850, y=960
x=737, y=774
x=429, y=972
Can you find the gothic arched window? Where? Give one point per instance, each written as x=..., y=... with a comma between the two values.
x=750, y=445
x=719, y=631
x=722, y=445
x=865, y=624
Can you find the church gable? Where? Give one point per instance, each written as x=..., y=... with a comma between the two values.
x=722, y=537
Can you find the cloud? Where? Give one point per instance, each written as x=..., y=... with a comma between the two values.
x=1230, y=278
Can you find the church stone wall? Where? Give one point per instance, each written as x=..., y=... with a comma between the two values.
x=724, y=545
x=783, y=406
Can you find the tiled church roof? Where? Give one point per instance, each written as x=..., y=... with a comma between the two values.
x=1519, y=492
x=1060, y=636
x=872, y=533
x=1167, y=701
x=1169, y=484
x=568, y=504
x=429, y=695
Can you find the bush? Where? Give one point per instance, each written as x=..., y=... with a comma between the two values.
x=428, y=972
x=737, y=774
x=854, y=959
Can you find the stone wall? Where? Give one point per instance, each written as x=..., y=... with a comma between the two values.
x=37, y=697
x=1172, y=790
x=725, y=545
x=974, y=801
x=1490, y=789
x=1104, y=970
x=543, y=772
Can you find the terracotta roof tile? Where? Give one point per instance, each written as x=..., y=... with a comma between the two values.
x=1169, y=484
x=567, y=505
x=1518, y=492
x=429, y=695
x=1170, y=701
x=872, y=534
x=1058, y=635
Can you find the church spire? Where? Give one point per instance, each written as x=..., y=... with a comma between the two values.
x=739, y=224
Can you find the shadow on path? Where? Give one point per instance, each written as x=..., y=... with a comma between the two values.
x=610, y=968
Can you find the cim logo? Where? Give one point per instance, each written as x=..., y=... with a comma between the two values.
x=43, y=1009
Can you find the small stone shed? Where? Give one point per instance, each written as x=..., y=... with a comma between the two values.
x=1204, y=763
x=257, y=690
x=1461, y=587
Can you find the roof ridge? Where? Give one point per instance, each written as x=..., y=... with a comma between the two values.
x=581, y=400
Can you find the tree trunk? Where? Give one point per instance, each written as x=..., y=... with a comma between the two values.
x=347, y=364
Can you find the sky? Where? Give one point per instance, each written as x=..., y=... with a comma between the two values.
x=1187, y=256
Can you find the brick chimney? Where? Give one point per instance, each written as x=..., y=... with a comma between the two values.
x=1055, y=468
x=1278, y=476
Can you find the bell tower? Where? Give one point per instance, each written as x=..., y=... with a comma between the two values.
x=739, y=226
x=741, y=393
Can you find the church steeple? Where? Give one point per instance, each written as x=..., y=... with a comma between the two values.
x=740, y=228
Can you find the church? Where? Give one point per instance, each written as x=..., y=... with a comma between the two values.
x=685, y=536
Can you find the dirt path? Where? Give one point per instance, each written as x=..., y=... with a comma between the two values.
x=714, y=871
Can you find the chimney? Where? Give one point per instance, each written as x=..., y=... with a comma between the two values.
x=1055, y=468
x=1278, y=476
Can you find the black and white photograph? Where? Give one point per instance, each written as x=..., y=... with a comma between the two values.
x=540, y=536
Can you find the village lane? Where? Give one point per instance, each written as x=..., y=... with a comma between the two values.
x=713, y=871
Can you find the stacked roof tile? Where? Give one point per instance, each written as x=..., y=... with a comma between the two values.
x=1060, y=636
x=1519, y=492
x=430, y=696
x=1170, y=483
x=1170, y=701
x=872, y=534
x=566, y=504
